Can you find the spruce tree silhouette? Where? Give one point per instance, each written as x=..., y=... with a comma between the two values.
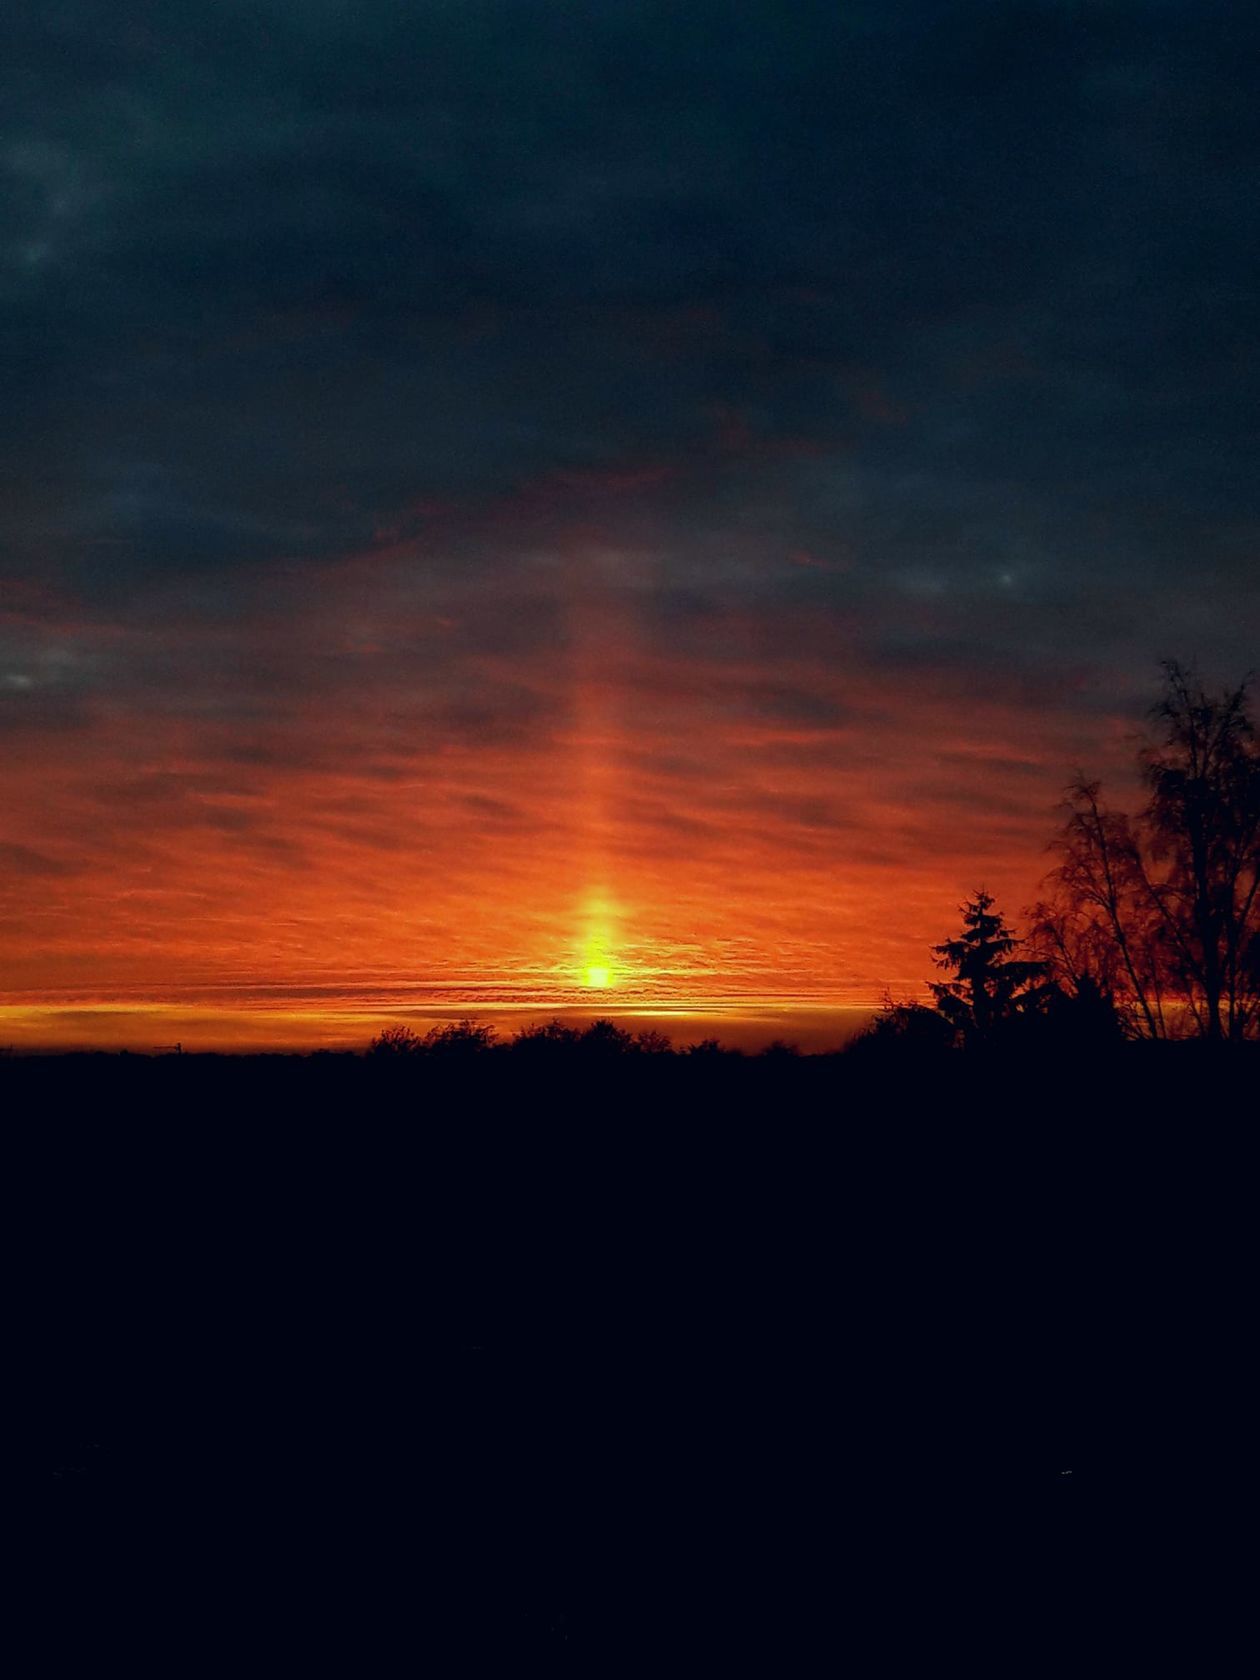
x=992, y=988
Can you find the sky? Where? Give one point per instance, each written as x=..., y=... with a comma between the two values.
x=510, y=506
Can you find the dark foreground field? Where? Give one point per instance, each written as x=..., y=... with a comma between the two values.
x=573, y=1367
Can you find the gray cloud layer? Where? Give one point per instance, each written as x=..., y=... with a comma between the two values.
x=933, y=326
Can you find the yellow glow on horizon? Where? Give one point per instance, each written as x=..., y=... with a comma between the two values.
x=596, y=969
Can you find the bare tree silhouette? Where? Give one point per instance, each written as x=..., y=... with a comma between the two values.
x=1162, y=912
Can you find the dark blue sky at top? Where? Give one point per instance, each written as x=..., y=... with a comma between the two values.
x=957, y=302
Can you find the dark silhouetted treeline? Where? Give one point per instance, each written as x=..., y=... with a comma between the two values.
x=582, y=1349
x=578, y=1352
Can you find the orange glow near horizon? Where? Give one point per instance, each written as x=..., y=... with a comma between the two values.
x=702, y=830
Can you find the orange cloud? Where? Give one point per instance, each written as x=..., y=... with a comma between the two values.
x=374, y=796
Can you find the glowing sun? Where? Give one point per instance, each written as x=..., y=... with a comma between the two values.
x=599, y=976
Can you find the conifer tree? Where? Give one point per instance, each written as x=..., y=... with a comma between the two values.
x=991, y=987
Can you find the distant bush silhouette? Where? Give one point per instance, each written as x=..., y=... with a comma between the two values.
x=395, y=1042
x=461, y=1038
x=710, y=1049
x=550, y=1039
x=780, y=1050
x=650, y=1042
x=909, y=1028
x=1085, y=1018
x=604, y=1038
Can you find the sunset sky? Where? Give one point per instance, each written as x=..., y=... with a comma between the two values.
x=510, y=506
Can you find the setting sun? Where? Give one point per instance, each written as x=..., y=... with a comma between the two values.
x=595, y=966
x=460, y=624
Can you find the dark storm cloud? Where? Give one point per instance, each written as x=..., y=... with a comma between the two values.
x=956, y=302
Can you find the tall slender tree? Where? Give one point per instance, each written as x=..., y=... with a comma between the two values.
x=1163, y=911
x=1099, y=929
x=1203, y=822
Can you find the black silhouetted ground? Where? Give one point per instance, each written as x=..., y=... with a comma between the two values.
x=655, y=1364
